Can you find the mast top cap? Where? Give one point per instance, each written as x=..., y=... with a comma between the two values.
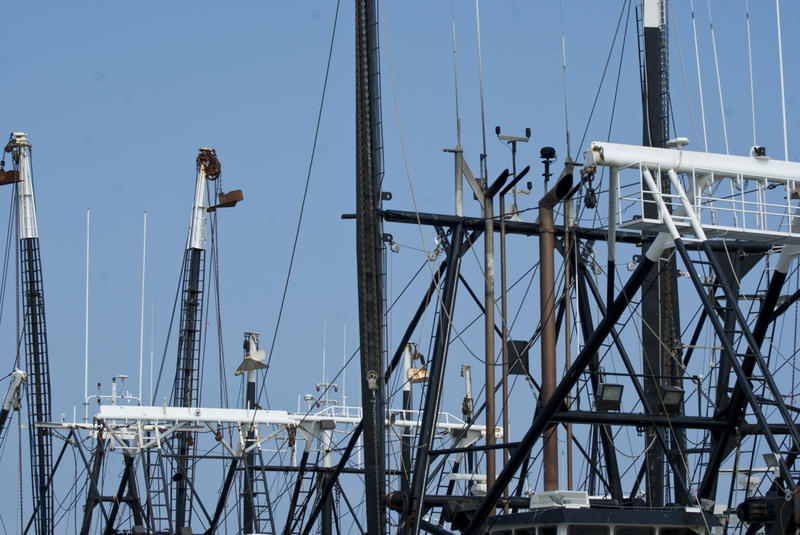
x=19, y=138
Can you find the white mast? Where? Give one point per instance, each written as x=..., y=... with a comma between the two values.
x=28, y=227
x=197, y=223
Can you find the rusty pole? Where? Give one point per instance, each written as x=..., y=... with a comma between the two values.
x=547, y=301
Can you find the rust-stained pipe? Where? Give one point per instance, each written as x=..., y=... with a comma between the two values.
x=547, y=301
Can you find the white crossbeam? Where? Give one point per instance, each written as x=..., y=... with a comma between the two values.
x=685, y=161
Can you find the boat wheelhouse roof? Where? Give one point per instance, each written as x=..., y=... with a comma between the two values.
x=673, y=521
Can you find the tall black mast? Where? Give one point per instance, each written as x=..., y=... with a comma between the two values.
x=370, y=258
x=186, y=388
x=660, y=318
x=34, y=337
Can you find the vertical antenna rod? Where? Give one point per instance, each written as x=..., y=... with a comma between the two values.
x=783, y=92
x=86, y=331
x=564, y=72
x=141, y=319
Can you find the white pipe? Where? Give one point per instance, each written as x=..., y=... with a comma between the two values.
x=17, y=376
x=613, y=181
x=26, y=205
x=651, y=184
x=406, y=367
x=686, y=205
x=685, y=161
x=197, y=238
x=141, y=319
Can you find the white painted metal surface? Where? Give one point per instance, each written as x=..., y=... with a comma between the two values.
x=197, y=223
x=652, y=13
x=135, y=428
x=686, y=161
x=740, y=197
x=17, y=376
x=26, y=205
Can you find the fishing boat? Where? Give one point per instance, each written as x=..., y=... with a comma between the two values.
x=625, y=374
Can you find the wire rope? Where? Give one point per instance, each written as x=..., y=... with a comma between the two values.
x=719, y=80
x=305, y=194
x=683, y=75
x=750, y=68
x=699, y=78
x=603, y=76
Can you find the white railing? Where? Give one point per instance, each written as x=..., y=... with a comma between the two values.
x=731, y=196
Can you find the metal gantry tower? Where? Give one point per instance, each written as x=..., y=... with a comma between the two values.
x=34, y=336
x=660, y=312
x=186, y=388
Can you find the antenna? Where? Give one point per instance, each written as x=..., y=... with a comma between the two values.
x=152, y=323
x=455, y=82
x=344, y=366
x=564, y=71
x=783, y=93
x=86, y=331
x=141, y=319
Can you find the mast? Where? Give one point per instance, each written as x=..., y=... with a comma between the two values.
x=660, y=318
x=370, y=252
x=35, y=335
x=186, y=388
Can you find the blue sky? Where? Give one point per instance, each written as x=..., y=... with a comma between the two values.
x=116, y=99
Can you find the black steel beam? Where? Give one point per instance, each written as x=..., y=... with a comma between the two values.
x=736, y=408
x=298, y=484
x=38, y=386
x=730, y=353
x=187, y=373
x=343, y=494
x=436, y=368
x=93, y=493
x=606, y=438
x=70, y=435
x=525, y=228
x=785, y=304
x=675, y=464
x=370, y=251
x=112, y=516
x=544, y=414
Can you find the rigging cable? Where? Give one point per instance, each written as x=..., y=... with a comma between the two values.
x=602, y=79
x=6, y=257
x=750, y=68
x=683, y=75
x=719, y=82
x=169, y=331
x=699, y=78
x=303, y=203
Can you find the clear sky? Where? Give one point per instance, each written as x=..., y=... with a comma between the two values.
x=117, y=97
